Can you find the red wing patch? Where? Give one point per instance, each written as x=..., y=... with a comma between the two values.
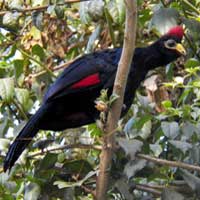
x=88, y=81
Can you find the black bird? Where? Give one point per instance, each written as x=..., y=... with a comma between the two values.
x=70, y=100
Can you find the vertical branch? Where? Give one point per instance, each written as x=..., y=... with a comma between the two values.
x=118, y=89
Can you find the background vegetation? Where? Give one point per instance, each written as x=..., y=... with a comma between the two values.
x=38, y=39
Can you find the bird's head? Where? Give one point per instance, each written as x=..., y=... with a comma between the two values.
x=170, y=43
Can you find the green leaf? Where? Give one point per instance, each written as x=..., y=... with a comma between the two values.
x=23, y=97
x=121, y=10
x=38, y=50
x=95, y=9
x=167, y=104
x=7, y=89
x=59, y=10
x=133, y=167
x=4, y=64
x=64, y=184
x=10, y=20
x=94, y=130
x=83, y=11
x=4, y=126
x=192, y=62
x=116, y=10
x=131, y=147
x=170, y=129
x=193, y=27
x=74, y=166
x=32, y=191
x=110, y=26
x=19, y=66
x=140, y=122
x=12, y=52
x=16, y=4
x=156, y=149
x=48, y=161
x=4, y=143
x=183, y=146
x=184, y=96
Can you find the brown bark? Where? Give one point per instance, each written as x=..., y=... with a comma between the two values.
x=119, y=88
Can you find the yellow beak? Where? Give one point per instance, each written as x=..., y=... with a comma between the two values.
x=179, y=48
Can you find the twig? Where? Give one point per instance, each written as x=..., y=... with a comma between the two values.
x=88, y=190
x=184, y=189
x=70, y=146
x=36, y=61
x=56, y=68
x=118, y=89
x=191, y=6
x=146, y=188
x=39, y=8
x=169, y=163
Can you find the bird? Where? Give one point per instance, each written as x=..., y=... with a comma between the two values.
x=70, y=101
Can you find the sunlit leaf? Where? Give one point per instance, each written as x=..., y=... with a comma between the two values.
x=32, y=191
x=7, y=89
x=10, y=20
x=23, y=96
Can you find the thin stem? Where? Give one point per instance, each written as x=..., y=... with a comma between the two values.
x=169, y=163
x=70, y=146
x=36, y=61
x=191, y=6
x=39, y=8
x=148, y=189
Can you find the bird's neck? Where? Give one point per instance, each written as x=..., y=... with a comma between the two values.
x=152, y=58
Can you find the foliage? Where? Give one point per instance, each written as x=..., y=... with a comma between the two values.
x=40, y=38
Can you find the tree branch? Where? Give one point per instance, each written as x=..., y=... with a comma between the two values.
x=169, y=163
x=118, y=89
x=148, y=189
x=184, y=189
x=39, y=8
x=70, y=146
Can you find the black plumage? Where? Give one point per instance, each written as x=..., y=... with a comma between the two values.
x=70, y=100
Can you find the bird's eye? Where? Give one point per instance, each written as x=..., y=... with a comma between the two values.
x=170, y=44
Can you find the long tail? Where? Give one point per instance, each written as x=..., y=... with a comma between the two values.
x=23, y=139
